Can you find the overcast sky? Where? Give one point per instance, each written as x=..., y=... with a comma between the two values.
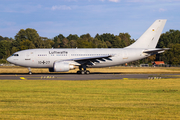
x=53, y=17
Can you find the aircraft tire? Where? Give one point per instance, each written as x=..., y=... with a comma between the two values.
x=78, y=72
x=87, y=72
x=82, y=72
x=30, y=73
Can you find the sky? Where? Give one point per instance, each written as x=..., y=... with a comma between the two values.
x=53, y=17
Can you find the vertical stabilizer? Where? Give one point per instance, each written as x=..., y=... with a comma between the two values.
x=150, y=38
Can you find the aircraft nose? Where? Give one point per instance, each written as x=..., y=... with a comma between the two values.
x=9, y=59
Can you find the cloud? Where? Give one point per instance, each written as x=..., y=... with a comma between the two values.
x=61, y=7
x=114, y=0
x=153, y=1
x=19, y=8
x=71, y=0
x=135, y=1
x=6, y=23
x=162, y=10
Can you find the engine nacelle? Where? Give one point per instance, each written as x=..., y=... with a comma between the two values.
x=62, y=66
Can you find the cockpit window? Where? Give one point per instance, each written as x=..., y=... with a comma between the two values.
x=15, y=55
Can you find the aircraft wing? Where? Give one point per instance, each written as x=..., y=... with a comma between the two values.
x=155, y=51
x=90, y=60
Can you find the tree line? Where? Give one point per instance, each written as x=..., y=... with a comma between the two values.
x=29, y=39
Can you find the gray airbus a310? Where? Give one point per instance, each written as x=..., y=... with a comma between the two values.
x=63, y=60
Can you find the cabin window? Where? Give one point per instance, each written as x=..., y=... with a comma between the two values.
x=15, y=55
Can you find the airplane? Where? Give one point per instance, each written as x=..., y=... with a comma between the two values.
x=63, y=60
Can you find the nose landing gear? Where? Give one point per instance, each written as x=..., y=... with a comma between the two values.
x=30, y=73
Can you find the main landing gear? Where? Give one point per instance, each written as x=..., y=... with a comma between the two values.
x=29, y=70
x=84, y=71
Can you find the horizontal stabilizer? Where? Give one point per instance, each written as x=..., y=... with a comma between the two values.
x=155, y=51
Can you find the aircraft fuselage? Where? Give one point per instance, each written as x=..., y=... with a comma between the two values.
x=45, y=58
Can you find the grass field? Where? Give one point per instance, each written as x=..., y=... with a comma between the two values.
x=97, y=99
x=124, y=70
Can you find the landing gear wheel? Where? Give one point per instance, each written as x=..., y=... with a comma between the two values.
x=78, y=72
x=87, y=72
x=30, y=72
x=82, y=72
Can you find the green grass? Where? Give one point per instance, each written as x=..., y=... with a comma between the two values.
x=97, y=99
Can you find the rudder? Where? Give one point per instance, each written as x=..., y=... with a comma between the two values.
x=151, y=37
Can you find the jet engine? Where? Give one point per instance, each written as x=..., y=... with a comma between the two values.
x=61, y=67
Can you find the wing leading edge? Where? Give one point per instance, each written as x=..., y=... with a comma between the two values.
x=89, y=58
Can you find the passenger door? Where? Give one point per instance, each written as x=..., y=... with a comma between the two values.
x=29, y=57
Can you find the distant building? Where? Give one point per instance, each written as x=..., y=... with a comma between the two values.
x=158, y=63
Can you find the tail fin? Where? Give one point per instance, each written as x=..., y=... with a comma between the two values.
x=151, y=37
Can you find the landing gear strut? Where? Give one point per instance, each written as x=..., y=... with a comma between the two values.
x=29, y=70
x=84, y=71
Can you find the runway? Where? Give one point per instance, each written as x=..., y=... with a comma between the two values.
x=70, y=76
